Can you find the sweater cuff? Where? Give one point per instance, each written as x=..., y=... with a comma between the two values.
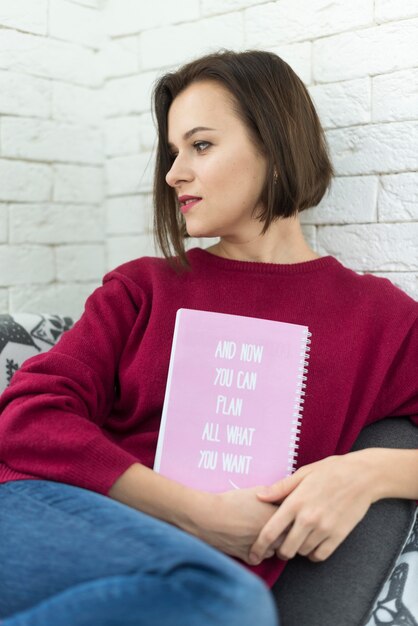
x=106, y=463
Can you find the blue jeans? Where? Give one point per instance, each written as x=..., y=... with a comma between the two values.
x=72, y=557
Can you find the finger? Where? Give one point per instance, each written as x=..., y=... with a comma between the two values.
x=248, y=559
x=312, y=541
x=328, y=546
x=269, y=534
x=323, y=551
x=288, y=483
x=302, y=533
x=279, y=490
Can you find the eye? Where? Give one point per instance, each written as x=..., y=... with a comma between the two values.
x=200, y=143
x=197, y=144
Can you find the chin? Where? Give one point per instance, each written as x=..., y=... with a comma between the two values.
x=201, y=232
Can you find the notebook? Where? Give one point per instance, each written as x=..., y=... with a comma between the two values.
x=233, y=402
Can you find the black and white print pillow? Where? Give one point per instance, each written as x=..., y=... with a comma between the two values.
x=397, y=604
x=23, y=335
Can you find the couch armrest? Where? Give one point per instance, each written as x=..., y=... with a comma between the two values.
x=342, y=589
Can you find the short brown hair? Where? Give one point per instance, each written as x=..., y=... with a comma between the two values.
x=277, y=110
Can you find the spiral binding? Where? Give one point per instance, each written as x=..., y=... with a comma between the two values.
x=299, y=401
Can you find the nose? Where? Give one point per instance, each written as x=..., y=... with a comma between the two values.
x=179, y=172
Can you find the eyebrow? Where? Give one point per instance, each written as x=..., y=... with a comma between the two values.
x=191, y=132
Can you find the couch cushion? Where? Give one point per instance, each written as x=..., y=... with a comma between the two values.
x=349, y=585
x=23, y=335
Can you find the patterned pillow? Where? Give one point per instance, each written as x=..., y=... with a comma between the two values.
x=398, y=599
x=23, y=335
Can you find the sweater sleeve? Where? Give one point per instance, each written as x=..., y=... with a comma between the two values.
x=52, y=413
x=399, y=390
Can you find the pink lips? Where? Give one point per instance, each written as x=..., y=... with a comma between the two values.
x=192, y=201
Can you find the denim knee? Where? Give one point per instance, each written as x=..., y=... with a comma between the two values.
x=228, y=591
x=253, y=601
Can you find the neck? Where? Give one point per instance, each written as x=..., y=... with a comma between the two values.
x=283, y=242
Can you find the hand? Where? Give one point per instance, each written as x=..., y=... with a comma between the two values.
x=233, y=520
x=321, y=503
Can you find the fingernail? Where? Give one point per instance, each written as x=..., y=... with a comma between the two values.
x=254, y=559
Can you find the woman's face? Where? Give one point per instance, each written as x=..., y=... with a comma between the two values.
x=221, y=166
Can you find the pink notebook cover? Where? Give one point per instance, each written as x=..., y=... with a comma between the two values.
x=232, y=408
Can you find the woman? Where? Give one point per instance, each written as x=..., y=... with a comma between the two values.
x=240, y=153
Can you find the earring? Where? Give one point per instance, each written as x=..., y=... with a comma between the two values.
x=275, y=177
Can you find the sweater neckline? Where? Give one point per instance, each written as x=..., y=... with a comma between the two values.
x=259, y=266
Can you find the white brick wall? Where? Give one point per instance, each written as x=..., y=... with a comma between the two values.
x=52, y=213
x=289, y=21
x=44, y=56
x=76, y=23
x=26, y=16
x=187, y=39
x=77, y=139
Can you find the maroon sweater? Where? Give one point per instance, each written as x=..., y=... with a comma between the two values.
x=88, y=409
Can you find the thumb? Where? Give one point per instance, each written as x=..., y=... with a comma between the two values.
x=279, y=490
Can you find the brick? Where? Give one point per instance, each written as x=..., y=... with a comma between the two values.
x=129, y=174
x=56, y=299
x=147, y=132
x=188, y=40
x=407, y=281
x=386, y=10
x=216, y=7
x=375, y=148
x=46, y=140
x=196, y=242
x=120, y=57
x=24, y=95
x=49, y=58
x=25, y=264
x=203, y=242
x=77, y=105
x=130, y=16
x=372, y=247
x=79, y=184
x=309, y=232
x=350, y=199
x=122, y=135
x=398, y=197
x=122, y=249
x=76, y=23
x=25, y=181
x=289, y=21
x=148, y=203
x=29, y=16
x=368, y=51
x=4, y=222
x=395, y=96
x=298, y=56
x=54, y=224
x=128, y=215
x=95, y=4
x=129, y=95
x=83, y=262
x=342, y=104
x=4, y=301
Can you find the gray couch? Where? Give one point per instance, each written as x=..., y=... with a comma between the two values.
x=371, y=580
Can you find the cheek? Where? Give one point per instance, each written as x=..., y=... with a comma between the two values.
x=245, y=182
x=237, y=176
x=224, y=181
x=232, y=179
